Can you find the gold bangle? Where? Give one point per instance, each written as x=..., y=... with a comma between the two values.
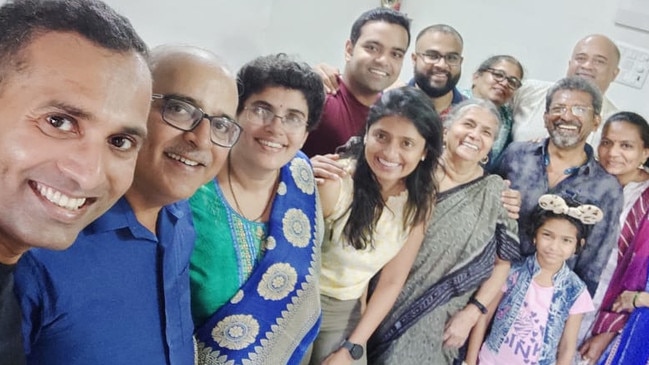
x=635, y=297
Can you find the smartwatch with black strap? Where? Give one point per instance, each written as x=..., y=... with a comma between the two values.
x=355, y=350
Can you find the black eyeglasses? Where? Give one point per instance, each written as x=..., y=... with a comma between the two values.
x=430, y=57
x=512, y=82
x=224, y=131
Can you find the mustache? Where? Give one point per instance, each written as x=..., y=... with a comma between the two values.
x=439, y=71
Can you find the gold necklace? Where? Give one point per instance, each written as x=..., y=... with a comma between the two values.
x=236, y=202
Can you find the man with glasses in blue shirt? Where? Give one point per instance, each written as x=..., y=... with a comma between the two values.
x=564, y=164
x=437, y=63
x=120, y=294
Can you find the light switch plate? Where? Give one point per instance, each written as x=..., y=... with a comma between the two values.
x=634, y=65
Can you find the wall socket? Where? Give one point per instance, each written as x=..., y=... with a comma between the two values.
x=634, y=65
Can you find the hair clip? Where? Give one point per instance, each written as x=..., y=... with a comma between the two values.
x=587, y=213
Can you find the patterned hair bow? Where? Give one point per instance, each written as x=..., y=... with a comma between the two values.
x=587, y=213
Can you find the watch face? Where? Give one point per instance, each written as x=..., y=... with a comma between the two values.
x=356, y=351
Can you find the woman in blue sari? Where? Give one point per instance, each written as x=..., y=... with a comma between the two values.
x=254, y=271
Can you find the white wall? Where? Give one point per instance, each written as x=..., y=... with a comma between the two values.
x=540, y=34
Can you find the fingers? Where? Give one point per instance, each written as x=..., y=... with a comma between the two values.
x=511, y=200
x=329, y=75
x=327, y=167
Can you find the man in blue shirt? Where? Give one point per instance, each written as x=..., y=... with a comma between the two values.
x=564, y=165
x=120, y=294
x=65, y=119
x=437, y=63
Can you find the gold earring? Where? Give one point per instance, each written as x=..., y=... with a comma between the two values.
x=485, y=160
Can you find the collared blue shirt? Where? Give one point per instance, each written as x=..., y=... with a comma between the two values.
x=119, y=295
x=523, y=164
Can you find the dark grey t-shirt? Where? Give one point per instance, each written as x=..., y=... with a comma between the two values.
x=11, y=345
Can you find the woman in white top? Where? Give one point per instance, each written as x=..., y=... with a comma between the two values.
x=389, y=191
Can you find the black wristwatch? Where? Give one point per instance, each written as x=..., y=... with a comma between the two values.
x=354, y=349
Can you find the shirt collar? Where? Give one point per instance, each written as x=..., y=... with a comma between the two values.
x=121, y=216
x=541, y=149
x=533, y=266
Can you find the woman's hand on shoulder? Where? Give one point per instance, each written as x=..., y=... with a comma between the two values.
x=327, y=167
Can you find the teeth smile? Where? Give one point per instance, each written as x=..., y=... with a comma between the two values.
x=57, y=198
x=469, y=145
x=387, y=163
x=271, y=144
x=378, y=72
x=182, y=159
x=569, y=127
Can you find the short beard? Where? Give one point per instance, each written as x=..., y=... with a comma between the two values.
x=563, y=142
x=422, y=81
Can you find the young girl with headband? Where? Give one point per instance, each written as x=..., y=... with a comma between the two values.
x=543, y=300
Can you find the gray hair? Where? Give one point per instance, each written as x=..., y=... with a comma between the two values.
x=575, y=83
x=460, y=109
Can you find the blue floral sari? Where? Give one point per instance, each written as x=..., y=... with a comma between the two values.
x=275, y=315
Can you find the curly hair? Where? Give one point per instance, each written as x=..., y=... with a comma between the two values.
x=279, y=70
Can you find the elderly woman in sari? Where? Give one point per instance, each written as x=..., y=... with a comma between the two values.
x=496, y=80
x=254, y=282
x=465, y=256
x=623, y=152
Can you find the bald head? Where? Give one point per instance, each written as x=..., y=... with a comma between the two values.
x=171, y=61
x=596, y=58
x=174, y=161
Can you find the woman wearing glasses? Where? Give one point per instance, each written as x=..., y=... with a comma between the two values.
x=254, y=270
x=496, y=80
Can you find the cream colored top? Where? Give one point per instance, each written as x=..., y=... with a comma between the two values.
x=346, y=271
x=528, y=105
